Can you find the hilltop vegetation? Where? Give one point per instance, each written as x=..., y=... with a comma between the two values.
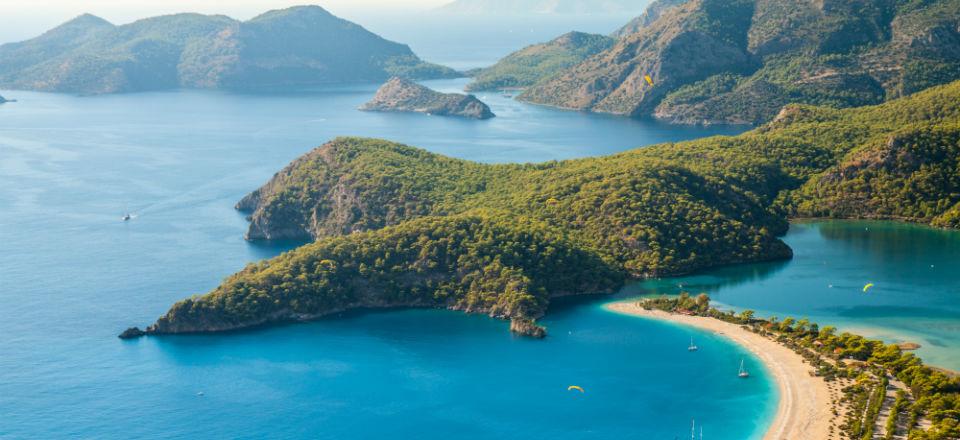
x=478, y=263
x=402, y=226
x=299, y=46
x=741, y=61
x=534, y=63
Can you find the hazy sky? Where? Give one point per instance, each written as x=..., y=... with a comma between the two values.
x=28, y=18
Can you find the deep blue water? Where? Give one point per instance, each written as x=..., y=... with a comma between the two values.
x=72, y=276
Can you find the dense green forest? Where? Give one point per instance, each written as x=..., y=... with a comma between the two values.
x=741, y=61
x=481, y=261
x=392, y=219
x=930, y=394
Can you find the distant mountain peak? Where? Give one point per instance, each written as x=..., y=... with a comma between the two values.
x=87, y=20
x=301, y=11
x=84, y=21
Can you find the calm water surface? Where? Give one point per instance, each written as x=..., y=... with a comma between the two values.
x=72, y=275
x=915, y=271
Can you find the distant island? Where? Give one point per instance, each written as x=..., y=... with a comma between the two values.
x=538, y=62
x=542, y=6
x=396, y=226
x=741, y=61
x=401, y=95
x=296, y=47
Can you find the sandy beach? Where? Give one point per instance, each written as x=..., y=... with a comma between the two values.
x=805, y=408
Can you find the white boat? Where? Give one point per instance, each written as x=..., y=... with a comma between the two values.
x=743, y=371
x=692, y=347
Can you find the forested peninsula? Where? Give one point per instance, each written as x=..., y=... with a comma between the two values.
x=399, y=226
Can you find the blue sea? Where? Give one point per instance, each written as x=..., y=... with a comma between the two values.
x=73, y=275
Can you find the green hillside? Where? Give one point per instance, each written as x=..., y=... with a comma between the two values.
x=525, y=67
x=399, y=226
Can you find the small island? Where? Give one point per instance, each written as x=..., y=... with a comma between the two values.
x=401, y=95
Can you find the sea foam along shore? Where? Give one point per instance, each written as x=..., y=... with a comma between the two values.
x=804, y=411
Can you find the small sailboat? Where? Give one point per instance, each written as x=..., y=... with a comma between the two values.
x=743, y=371
x=692, y=346
x=693, y=430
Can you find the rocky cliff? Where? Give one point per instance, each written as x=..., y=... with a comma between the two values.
x=653, y=13
x=741, y=61
x=401, y=95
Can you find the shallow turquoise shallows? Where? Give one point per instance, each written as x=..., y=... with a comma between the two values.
x=915, y=272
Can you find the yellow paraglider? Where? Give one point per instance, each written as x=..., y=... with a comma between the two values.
x=574, y=387
x=867, y=287
x=649, y=79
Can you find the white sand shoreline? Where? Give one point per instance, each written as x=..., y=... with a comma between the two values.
x=804, y=411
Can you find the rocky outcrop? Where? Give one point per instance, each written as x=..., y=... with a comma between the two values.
x=401, y=95
x=527, y=327
x=132, y=333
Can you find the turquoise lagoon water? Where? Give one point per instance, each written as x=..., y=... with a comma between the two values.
x=915, y=271
x=72, y=276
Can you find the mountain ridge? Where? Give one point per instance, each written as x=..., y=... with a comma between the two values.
x=300, y=46
x=741, y=61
